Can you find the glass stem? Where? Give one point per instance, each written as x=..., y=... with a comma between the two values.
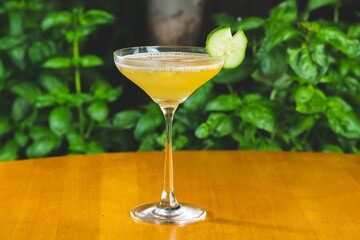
x=168, y=200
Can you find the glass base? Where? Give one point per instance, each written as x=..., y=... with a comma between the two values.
x=184, y=214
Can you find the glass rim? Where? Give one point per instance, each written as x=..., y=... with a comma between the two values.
x=175, y=48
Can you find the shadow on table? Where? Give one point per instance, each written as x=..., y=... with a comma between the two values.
x=240, y=222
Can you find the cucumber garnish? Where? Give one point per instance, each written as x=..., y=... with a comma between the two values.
x=220, y=42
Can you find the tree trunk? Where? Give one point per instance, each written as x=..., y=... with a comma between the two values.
x=175, y=22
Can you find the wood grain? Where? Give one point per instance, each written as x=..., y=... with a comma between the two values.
x=247, y=195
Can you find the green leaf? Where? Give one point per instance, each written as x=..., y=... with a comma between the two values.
x=104, y=91
x=50, y=82
x=27, y=90
x=315, y=4
x=39, y=132
x=179, y=128
x=274, y=63
x=245, y=136
x=310, y=100
x=10, y=42
x=16, y=19
x=71, y=35
x=221, y=124
x=223, y=19
x=62, y=97
x=224, y=103
x=17, y=56
x=55, y=19
x=259, y=114
x=15, y=5
x=202, y=131
x=302, y=65
x=58, y=62
x=2, y=71
x=310, y=26
x=76, y=143
x=180, y=142
x=268, y=145
x=354, y=31
x=42, y=147
x=351, y=84
x=45, y=100
x=21, y=138
x=88, y=61
x=126, y=119
x=34, y=5
x=148, y=122
x=198, y=99
x=95, y=17
x=337, y=103
x=319, y=55
x=285, y=12
x=283, y=82
x=20, y=109
x=282, y=34
x=148, y=143
x=248, y=24
x=98, y=111
x=339, y=40
x=217, y=125
x=330, y=148
x=8, y=151
x=237, y=74
x=344, y=123
x=279, y=80
x=60, y=121
x=345, y=85
x=39, y=51
x=30, y=120
x=5, y=126
x=23, y=5
x=348, y=66
x=252, y=97
x=94, y=147
x=305, y=123
x=310, y=62
x=355, y=150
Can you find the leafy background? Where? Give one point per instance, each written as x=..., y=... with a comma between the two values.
x=60, y=94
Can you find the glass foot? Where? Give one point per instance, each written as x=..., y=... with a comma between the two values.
x=185, y=213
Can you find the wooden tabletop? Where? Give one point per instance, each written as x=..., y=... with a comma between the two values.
x=247, y=195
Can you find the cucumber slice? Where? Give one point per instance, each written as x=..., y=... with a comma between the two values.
x=220, y=42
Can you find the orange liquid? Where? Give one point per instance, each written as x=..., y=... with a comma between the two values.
x=169, y=78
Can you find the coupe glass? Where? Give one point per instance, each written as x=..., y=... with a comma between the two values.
x=168, y=75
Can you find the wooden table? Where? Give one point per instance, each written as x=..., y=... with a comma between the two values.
x=248, y=195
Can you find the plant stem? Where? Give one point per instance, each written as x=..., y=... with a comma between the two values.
x=273, y=94
x=76, y=59
x=306, y=135
x=229, y=87
x=90, y=128
x=76, y=62
x=336, y=13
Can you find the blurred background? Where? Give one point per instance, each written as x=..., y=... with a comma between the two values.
x=61, y=94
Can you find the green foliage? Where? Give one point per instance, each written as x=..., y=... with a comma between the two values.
x=296, y=90
x=306, y=91
x=47, y=108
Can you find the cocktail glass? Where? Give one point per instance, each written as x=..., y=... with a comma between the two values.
x=168, y=75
